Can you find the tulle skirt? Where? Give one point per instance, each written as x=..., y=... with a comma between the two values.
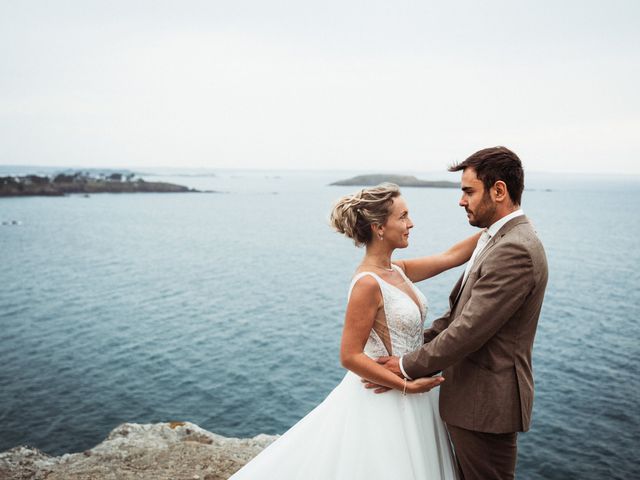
x=355, y=434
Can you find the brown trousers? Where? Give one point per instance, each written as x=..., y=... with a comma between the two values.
x=484, y=456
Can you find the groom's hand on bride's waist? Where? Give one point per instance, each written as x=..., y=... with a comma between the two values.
x=419, y=385
x=391, y=364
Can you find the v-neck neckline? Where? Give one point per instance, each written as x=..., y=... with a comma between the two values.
x=412, y=287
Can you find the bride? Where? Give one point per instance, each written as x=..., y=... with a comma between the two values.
x=355, y=434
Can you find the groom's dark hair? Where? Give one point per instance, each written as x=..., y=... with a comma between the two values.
x=493, y=164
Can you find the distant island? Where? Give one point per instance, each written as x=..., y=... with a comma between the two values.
x=400, y=180
x=82, y=182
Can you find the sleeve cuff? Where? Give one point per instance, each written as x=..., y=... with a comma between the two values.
x=402, y=370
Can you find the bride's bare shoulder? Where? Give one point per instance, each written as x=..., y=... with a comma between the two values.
x=364, y=283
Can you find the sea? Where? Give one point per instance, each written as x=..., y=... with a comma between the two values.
x=226, y=309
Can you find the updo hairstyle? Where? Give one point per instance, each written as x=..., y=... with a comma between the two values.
x=354, y=214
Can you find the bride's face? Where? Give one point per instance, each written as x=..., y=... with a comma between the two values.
x=396, y=229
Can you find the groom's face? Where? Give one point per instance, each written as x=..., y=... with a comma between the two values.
x=477, y=202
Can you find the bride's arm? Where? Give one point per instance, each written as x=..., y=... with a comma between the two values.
x=418, y=269
x=361, y=311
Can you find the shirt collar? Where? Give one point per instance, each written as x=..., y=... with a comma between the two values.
x=493, y=229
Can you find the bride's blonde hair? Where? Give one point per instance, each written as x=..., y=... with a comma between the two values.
x=353, y=215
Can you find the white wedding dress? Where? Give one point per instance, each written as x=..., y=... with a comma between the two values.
x=355, y=434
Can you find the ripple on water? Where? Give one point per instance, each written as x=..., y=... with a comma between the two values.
x=149, y=308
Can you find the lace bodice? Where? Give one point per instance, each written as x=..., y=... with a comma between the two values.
x=404, y=320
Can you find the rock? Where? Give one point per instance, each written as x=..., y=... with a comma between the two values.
x=81, y=183
x=162, y=451
x=400, y=180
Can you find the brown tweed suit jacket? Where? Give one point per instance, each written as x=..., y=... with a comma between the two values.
x=483, y=343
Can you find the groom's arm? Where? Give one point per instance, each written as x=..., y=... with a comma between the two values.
x=495, y=297
x=436, y=327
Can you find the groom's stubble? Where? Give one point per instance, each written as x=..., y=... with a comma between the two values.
x=484, y=213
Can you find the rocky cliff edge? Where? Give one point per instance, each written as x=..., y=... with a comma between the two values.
x=161, y=451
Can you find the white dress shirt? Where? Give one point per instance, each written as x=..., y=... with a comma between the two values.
x=482, y=242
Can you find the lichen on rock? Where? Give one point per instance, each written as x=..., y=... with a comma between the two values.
x=171, y=451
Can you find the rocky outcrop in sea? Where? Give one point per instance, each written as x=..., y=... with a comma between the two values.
x=400, y=180
x=160, y=451
x=79, y=182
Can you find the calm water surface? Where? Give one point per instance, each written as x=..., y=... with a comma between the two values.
x=226, y=310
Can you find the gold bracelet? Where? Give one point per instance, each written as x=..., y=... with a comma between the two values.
x=404, y=389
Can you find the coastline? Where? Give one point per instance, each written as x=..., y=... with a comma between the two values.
x=174, y=450
x=81, y=183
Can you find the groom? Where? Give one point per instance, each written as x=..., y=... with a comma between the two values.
x=483, y=343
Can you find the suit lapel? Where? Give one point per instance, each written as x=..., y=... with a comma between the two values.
x=481, y=256
x=455, y=293
x=476, y=262
x=485, y=251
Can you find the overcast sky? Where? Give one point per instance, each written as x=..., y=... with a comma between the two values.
x=365, y=85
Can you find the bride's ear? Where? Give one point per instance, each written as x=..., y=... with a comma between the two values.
x=377, y=230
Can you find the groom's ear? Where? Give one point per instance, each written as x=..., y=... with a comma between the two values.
x=499, y=191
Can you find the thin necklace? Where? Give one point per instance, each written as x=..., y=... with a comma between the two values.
x=379, y=266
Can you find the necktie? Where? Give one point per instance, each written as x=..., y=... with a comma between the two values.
x=482, y=241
